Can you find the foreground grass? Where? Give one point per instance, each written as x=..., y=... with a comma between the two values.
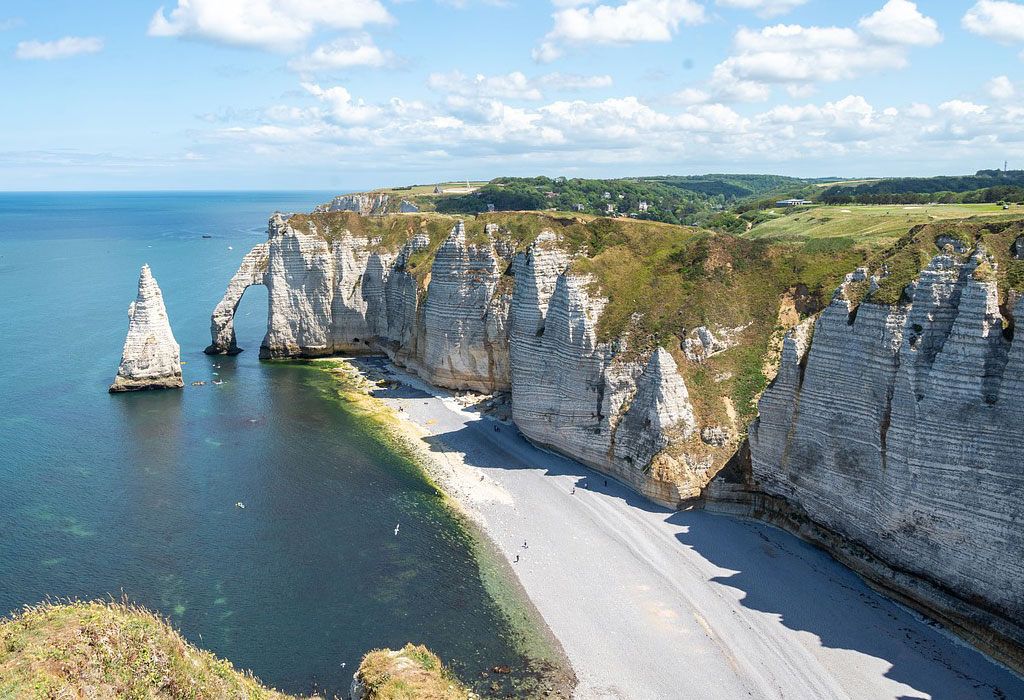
x=111, y=650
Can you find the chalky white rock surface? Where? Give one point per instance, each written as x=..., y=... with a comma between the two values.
x=902, y=436
x=151, y=358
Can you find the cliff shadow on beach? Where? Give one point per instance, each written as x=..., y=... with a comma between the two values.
x=809, y=591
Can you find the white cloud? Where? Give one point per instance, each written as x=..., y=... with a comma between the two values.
x=962, y=108
x=632, y=21
x=919, y=111
x=8, y=23
x=345, y=52
x=900, y=22
x=492, y=135
x=513, y=86
x=764, y=8
x=341, y=109
x=800, y=57
x=1000, y=88
x=995, y=19
x=793, y=53
x=280, y=25
x=61, y=48
x=572, y=81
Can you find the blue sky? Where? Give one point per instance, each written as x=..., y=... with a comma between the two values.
x=352, y=94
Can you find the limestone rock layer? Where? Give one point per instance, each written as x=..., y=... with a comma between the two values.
x=151, y=358
x=898, y=430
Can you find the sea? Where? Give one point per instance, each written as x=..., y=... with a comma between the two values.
x=134, y=496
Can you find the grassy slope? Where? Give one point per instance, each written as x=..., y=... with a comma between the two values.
x=109, y=650
x=871, y=224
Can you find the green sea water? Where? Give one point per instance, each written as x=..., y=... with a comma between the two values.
x=134, y=494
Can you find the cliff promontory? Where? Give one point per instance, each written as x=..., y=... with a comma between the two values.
x=151, y=358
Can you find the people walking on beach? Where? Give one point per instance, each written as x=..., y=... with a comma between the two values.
x=517, y=559
x=524, y=545
x=573, y=492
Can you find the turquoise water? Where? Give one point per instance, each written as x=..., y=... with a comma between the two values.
x=134, y=494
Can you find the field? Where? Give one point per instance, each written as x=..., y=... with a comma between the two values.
x=419, y=190
x=876, y=225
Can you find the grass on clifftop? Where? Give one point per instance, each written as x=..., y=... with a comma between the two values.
x=412, y=673
x=105, y=650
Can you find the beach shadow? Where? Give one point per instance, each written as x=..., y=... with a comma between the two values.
x=507, y=448
x=811, y=592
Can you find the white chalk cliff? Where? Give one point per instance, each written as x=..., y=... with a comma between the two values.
x=896, y=431
x=890, y=435
x=469, y=330
x=151, y=358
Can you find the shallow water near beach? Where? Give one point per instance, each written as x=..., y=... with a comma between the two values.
x=136, y=494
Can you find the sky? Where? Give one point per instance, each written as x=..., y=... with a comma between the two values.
x=355, y=94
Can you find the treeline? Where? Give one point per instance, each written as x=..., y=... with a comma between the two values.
x=640, y=199
x=730, y=186
x=930, y=187
x=998, y=193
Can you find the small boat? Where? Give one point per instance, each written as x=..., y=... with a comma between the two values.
x=218, y=382
x=198, y=383
x=206, y=235
x=240, y=505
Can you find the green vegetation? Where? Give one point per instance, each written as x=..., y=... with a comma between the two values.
x=111, y=650
x=983, y=186
x=413, y=673
x=668, y=199
x=662, y=281
x=876, y=226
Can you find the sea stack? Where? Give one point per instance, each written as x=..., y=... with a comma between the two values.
x=151, y=358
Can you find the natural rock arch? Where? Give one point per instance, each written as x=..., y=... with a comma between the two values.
x=252, y=271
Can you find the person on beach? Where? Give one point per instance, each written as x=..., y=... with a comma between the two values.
x=573, y=492
x=517, y=559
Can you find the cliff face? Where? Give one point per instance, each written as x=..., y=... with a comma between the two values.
x=571, y=393
x=372, y=204
x=151, y=358
x=485, y=319
x=897, y=429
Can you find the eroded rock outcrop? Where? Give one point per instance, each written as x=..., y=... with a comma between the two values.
x=575, y=395
x=370, y=204
x=488, y=320
x=252, y=271
x=896, y=431
x=151, y=358
x=465, y=324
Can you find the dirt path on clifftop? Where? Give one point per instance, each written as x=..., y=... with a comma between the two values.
x=651, y=604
